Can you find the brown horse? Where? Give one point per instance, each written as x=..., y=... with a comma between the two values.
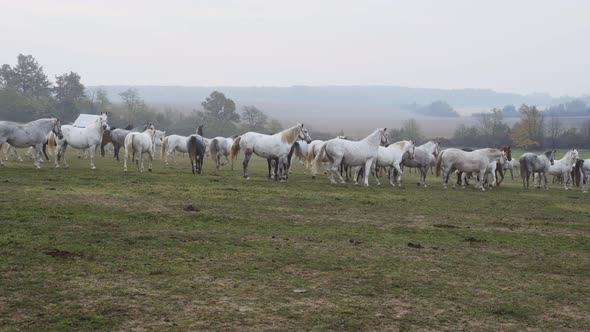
x=107, y=138
x=500, y=170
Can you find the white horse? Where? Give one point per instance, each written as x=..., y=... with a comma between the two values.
x=218, y=147
x=269, y=147
x=563, y=167
x=424, y=158
x=361, y=153
x=29, y=134
x=136, y=144
x=159, y=136
x=390, y=157
x=475, y=162
x=171, y=144
x=490, y=171
x=89, y=138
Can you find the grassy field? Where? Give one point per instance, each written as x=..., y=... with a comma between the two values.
x=103, y=250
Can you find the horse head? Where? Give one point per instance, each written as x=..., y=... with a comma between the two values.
x=412, y=149
x=384, y=139
x=508, y=150
x=57, y=128
x=103, y=118
x=551, y=156
x=575, y=155
x=436, y=151
x=304, y=134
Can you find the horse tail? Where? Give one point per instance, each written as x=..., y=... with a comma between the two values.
x=523, y=167
x=163, y=149
x=51, y=143
x=105, y=135
x=317, y=161
x=235, y=148
x=578, y=171
x=192, y=151
x=294, y=149
x=310, y=156
x=439, y=163
x=213, y=148
x=129, y=146
x=45, y=149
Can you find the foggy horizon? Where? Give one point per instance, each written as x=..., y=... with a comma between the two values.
x=527, y=47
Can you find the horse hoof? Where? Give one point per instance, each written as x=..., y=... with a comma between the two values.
x=149, y=169
x=93, y=167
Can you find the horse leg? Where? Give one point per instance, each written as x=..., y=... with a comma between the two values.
x=62, y=154
x=269, y=162
x=400, y=171
x=368, y=164
x=375, y=171
x=357, y=172
x=116, y=152
x=217, y=160
x=247, y=156
x=545, y=178
x=91, y=151
x=150, y=160
x=37, y=159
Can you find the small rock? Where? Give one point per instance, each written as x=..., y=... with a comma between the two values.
x=415, y=245
x=299, y=290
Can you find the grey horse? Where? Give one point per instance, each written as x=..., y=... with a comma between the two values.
x=29, y=134
x=531, y=163
x=196, y=151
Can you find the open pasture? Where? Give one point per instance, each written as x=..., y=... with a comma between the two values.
x=104, y=250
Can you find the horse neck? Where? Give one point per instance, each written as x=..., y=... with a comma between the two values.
x=428, y=146
x=289, y=135
x=45, y=125
x=374, y=138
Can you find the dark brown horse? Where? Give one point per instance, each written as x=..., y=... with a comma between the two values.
x=500, y=170
x=107, y=138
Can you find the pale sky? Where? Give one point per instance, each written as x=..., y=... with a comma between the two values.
x=510, y=46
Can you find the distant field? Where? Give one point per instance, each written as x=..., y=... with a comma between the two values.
x=103, y=250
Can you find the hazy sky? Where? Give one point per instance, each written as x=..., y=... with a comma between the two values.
x=513, y=46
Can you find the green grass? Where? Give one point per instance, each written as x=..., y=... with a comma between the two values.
x=104, y=250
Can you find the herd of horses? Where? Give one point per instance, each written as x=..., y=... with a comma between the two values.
x=371, y=155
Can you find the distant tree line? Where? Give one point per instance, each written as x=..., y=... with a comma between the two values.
x=26, y=93
x=535, y=130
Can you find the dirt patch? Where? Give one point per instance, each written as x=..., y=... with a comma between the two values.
x=444, y=226
x=415, y=245
x=191, y=208
x=230, y=189
x=60, y=253
x=354, y=242
x=474, y=240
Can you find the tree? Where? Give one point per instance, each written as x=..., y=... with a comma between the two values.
x=554, y=130
x=492, y=127
x=438, y=108
x=274, y=126
x=68, y=88
x=465, y=135
x=27, y=77
x=521, y=135
x=133, y=104
x=254, y=119
x=535, y=122
x=220, y=114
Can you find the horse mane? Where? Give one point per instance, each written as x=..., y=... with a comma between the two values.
x=290, y=135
